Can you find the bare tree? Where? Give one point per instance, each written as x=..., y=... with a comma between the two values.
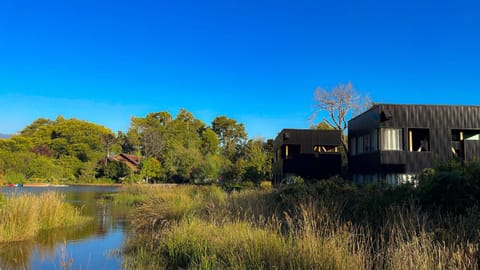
x=340, y=103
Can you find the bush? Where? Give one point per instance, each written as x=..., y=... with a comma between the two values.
x=115, y=170
x=452, y=186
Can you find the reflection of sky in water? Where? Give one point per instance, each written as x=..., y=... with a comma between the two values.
x=91, y=247
x=92, y=253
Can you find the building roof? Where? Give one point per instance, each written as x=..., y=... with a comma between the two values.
x=412, y=105
x=316, y=136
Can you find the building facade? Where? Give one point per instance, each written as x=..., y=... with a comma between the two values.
x=310, y=154
x=393, y=143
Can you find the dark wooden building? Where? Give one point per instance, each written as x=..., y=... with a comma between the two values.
x=393, y=143
x=309, y=153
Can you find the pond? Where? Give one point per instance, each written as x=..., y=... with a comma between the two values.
x=95, y=246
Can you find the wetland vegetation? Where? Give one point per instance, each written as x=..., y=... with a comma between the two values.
x=331, y=224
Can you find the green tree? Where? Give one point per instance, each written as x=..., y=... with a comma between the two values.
x=323, y=125
x=55, y=140
x=42, y=168
x=35, y=126
x=210, y=142
x=208, y=169
x=15, y=162
x=116, y=170
x=126, y=146
x=146, y=134
x=231, y=135
x=255, y=162
x=151, y=170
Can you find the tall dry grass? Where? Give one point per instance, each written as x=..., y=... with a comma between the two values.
x=193, y=227
x=22, y=217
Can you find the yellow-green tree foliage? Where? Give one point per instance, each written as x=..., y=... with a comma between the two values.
x=54, y=150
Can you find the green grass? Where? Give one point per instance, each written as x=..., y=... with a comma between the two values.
x=22, y=217
x=192, y=227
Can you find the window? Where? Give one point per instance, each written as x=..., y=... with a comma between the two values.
x=418, y=140
x=360, y=145
x=291, y=150
x=374, y=141
x=325, y=149
x=459, y=137
x=391, y=139
x=353, y=146
x=366, y=143
x=472, y=135
x=395, y=179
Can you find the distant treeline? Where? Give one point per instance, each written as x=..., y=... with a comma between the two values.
x=180, y=149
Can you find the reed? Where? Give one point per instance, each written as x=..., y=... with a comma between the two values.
x=22, y=217
x=192, y=227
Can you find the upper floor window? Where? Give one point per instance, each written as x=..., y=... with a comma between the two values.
x=391, y=139
x=418, y=140
x=290, y=150
x=471, y=135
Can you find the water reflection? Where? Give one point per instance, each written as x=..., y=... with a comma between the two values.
x=88, y=246
x=17, y=255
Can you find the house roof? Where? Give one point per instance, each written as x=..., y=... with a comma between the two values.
x=130, y=158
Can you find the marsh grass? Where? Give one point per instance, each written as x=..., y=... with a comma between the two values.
x=24, y=216
x=192, y=227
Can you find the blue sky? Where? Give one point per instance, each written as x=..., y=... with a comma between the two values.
x=258, y=62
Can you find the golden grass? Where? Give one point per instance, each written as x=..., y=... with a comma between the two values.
x=193, y=227
x=22, y=217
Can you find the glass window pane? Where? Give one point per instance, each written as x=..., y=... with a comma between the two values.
x=391, y=139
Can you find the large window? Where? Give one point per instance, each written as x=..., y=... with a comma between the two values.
x=391, y=139
x=418, y=140
x=364, y=144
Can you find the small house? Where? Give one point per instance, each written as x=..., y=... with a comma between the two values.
x=131, y=161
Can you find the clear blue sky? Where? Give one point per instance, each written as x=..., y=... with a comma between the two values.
x=258, y=62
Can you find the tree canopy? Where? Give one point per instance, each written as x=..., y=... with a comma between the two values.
x=179, y=149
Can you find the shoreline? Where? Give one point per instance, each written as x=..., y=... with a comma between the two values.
x=40, y=185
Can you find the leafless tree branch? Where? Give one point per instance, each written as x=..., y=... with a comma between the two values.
x=341, y=103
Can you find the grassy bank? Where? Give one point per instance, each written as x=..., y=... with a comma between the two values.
x=24, y=216
x=300, y=227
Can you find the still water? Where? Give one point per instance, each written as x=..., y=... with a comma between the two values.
x=94, y=246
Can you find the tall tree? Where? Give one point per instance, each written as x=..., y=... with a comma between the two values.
x=340, y=103
x=231, y=135
x=125, y=144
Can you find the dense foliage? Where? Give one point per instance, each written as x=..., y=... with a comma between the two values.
x=63, y=150
x=170, y=149
x=184, y=149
